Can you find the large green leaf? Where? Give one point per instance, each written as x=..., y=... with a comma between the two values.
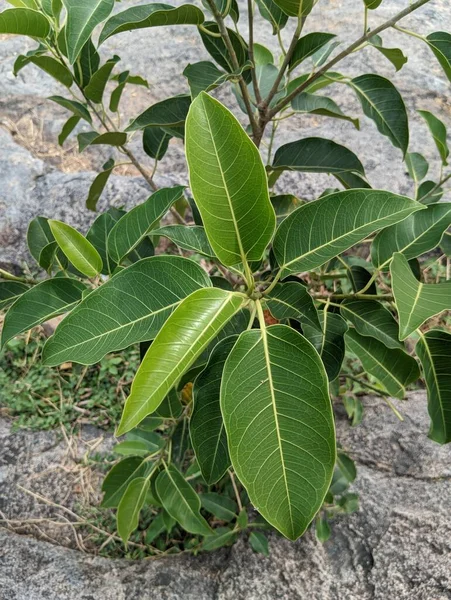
x=82, y=17
x=414, y=236
x=229, y=183
x=416, y=302
x=277, y=413
x=169, y=114
x=77, y=249
x=382, y=103
x=207, y=431
x=97, y=84
x=434, y=352
x=187, y=332
x=320, y=230
x=40, y=303
x=181, y=501
x=291, y=300
x=371, y=319
x=130, y=506
x=191, y=238
x=440, y=44
x=151, y=15
x=295, y=8
x=329, y=341
x=129, y=308
x=439, y=133
x=393, y=368
x=308, y=45
x=24, y=21
x=320, y=105
x=10, y=291
x=130, y=230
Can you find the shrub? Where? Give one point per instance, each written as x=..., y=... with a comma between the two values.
x=265, y=307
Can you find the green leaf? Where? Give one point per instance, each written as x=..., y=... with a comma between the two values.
x=322, y=529
x=284, y=205
x=191, y=238
x=51, y=66
x=296, y=8
x=308, y=45
x=132, y=228
x=207, y=431
x=104, y=322
x=168, y=114
x=41, y=303
x=120, y=476
x=155, y=142
x=67, y=129
x=440, y=44
x=273, y=14
x=434, y=352
x=134, y=448
x=76, y=247
x=10, y=291
x=429, y=193
x=98, y=185
x=393, y=368
x=323, y=81
x=414, y=236
x=417, y=166
x=259, y=543
x=97, y=84
x=130, y=506
x=445, y=244
x=360, y=278
x=382, y=103
x=329, y=342
x=416, y=302
x=222, y=536
x=181, y=501
x=372, y=4
x=116, y=94
x=86, y=64
x=39, y=235
x=371, y=319
x=205, y=76
x=439, y=133
x=277, y=413
x=220, y=506
x=92, y=138
x=151, y=15
x=229, y=183
x=77, y=108
x=82, y=18
x=320, y=105
x=291, y=300
x=216, y=47
x=24, y=21
x=51, y=256
x=170, y=408
x=394, y=55
x=186, y=333
x=98, y=235
x=320, y=230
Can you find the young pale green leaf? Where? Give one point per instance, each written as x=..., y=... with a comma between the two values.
x=278, y=417
x=220, y=506
x=130, y=506
x=98, y=236
x=82, y=17
x=329, y=341
x=371, y=319
x=77, y=249
x=291, y=300
x=394, y=55
x=417, y=166
x=98, y=185
x=440, y=44
x=155, y=142
x=419, y=233
x=10, y=291
x=39, y=235
x=434, y=352
x=416, y=302
x=169, y=114
x=228, y=182
x=39, y=304
x=191, y=238
x=320, y=105
x=320, y=230
x=259, y=543
x=24, y=21
x=308, y=45
x=120, y=476
x=393, y=368
x=207, y=431
x=131, y=229
x=92, y=138
x=104, y=322
x=151, y=15
x=187, y=332
x=77, y=108
x=181, y=501
x=67, y=129
x=382, y=103
x=274, y=15
x=439, y=133
x=53, y=67
x=97, y=84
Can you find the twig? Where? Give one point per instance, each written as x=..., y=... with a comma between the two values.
x=235, y=489
x=385, y=395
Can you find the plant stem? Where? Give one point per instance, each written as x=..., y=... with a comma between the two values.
x=235, y=489
x=11, y=277
x=250, y=16
x=385, y=395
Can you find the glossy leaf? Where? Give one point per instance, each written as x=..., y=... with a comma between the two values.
x=87, y=63
x=329, y=341
x=98, y=185
x=229, y=183
x=77, y=249
x=120, y=476
x=371, y=319
x=155, y=142
x=104, y=322
x=416, y=302
x=10, y=291
x=429, y=193
x=440, y=44
x=97, y=84
x=41, y=303
x=24, y=21
x=279, y=423
x=191, y=238
x=320, y=230
x=320, y=105
x=130, y=506
x=187, y=332
x=39, y=235
x=434, y=352
x=308, y=45
x=393, y=368
x=296, y=8
x=170, y=113
x=273, y=14
x=291, y=300
x=417, y=166
x=92, y=138
x=439, y=133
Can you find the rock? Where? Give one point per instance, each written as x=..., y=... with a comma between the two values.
x=397, y=547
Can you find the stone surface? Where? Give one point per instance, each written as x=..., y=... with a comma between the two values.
x=397, y=547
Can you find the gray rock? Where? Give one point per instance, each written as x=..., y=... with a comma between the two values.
x=397, y=547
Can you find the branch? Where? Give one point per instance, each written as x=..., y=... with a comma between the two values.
x=250, y=15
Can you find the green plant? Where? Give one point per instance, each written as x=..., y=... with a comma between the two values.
x=243, y=351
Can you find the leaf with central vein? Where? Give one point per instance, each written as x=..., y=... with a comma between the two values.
x=416, y=302
x=98, y=236
x=40, y=303
x=130, y=230
x=187, y=332
x=320, y=105
x=96, y=87
x=278, y=417
x=439, y=133
x=371, y=319
x=291, y=300
x=120, y=476
x=130, y=506
x=77, y=249
x=191, y=238
x=24, y=21
x=10, y=291
x=393, y=368
x=229, y=183
x=329, y=341
x=440, y=44
x=207, y=431
x=131, y=307
x=434, y=352
x=308, y=45
x=168, y=114
x=295, y=8
x=320, y=230
x=414, y=236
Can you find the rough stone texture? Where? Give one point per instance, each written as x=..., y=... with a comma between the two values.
x=398, y=547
